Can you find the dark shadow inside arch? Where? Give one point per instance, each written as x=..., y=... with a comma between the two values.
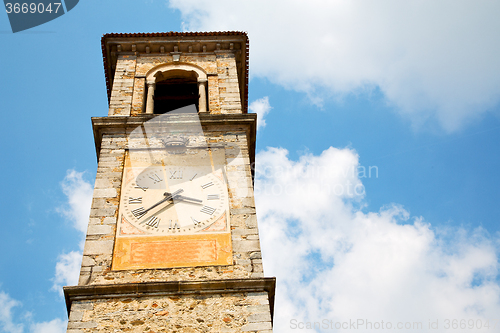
x=175, y=89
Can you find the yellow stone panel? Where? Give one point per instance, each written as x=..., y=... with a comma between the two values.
x=172, y=251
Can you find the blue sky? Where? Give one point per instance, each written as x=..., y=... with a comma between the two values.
x=410, y=89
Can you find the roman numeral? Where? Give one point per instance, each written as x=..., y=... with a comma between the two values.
x=193, y=176
x=135, y=200
x=174, y=226
x=155, y=178
x=139, y=212
x=213, y=197
x=153, y=222
x=206, y=185
x=195, y=221
x=176, y=174
x=144, y=188
x=207, y=210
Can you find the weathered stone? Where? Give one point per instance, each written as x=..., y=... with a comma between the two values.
x=75, y=316
x=246, y=246
x=105, y=193
x=256, y=255
x=257, y=326
x=258, y=308
x=88, y=261
x=259, y=317
x=251, y=221
x=99, y=229
x=98, y=247
x=82, y=324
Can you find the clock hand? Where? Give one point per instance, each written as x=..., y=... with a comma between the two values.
x=181, y=197
x=168, y=196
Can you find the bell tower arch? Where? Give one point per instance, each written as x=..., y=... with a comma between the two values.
x=171, y=86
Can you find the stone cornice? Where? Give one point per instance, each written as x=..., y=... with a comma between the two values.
x=119, y=124
x=144, y=289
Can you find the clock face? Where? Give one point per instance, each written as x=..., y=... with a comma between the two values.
x=168, y=200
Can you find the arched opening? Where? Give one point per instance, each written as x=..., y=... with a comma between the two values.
x=175, y=89
x=174, y=86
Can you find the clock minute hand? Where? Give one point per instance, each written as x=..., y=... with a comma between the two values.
x=168, y=196
x=181, y=197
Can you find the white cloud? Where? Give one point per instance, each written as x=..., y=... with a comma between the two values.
x=54, y=326
x=336, y=262
x=432, y=60
x=8, y=323
x=6, y=320
x=67, y=270
x=262, y=107
x=79, y=193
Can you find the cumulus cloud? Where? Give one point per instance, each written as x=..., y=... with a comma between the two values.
x=67, y=270
x=54, y=326
x=262, y=107
x=9, y=324
x=335, y=262
x=432, y=60
x=79, y=193
x=6, y=316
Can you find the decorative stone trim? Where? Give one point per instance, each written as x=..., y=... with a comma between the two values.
x=246, y=122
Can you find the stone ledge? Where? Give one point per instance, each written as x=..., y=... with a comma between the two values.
x=102, y=125
x=119, y=124
x=79, y=293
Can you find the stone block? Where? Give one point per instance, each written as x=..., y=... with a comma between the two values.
x=257, y=275
x=94, y=220
x=76, y=316
x=256, y=326
x=258, y=268
x=76, y=306
x=83, y=279
x=256, y=255
x=243, y=211
x=246, y=246
x=105, y=193
x=99, y=229
x=259, y=317
x=102, y=182
x=251, y=222
x=84, y=324
x=258, y=308
x=98, y=247
x=244, y=232
x=101, y=212
x=109, y=220
x=243, y=262
x=88, y=261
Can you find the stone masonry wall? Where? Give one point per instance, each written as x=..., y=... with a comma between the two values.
x=128, y=93
x=138, y=96
x=98, y=251
x=220, y=312
x=123, y=87
x=229, y=90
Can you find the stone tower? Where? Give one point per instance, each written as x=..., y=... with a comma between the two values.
x=172, y=243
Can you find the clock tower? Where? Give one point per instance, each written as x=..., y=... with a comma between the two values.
x=172, y=243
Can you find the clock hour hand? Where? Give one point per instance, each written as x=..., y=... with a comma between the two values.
x=168, y=196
